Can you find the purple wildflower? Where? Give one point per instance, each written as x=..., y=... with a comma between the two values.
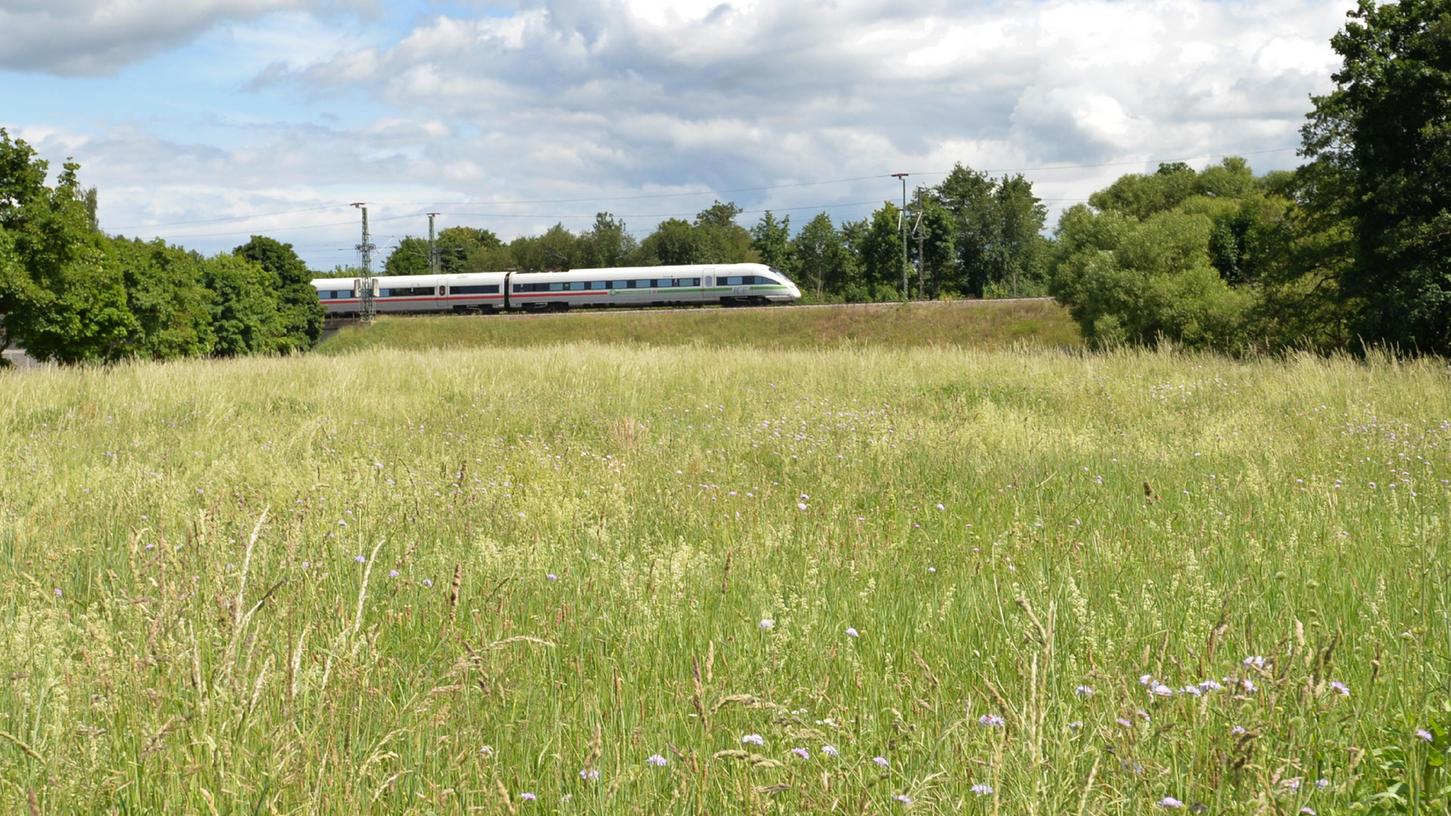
x=1340, y=688
x=982, y=789
x=753, y=739
x=801, y=752
x=589, y=774
x=361, y=559
x=882, y=761
x=903, y=798
x=528, y=796
x=1170, y=803
x=852, y=633
x=1424, y=735
x=1084, y=691
x=829, y=750
x=991, y=721
x=656, y=760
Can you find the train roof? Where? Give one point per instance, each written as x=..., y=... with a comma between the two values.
x=604, y=273
x=672, y=271
x=412, y=280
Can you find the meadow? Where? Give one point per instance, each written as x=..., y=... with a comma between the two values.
x=618, y=579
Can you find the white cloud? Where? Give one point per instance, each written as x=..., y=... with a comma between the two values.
x=97, y=37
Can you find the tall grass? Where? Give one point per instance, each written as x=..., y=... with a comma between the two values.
x=409, y=582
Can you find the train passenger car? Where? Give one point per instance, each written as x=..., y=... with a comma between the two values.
x=694, y=284
x=483, y=291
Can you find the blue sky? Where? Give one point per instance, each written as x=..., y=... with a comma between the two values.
x=205, y=120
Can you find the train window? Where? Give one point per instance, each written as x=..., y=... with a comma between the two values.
x=406, y=291
x=476, y=290
x=598, y=285
x=687, y=281
x=578, y=286
x=733, y=280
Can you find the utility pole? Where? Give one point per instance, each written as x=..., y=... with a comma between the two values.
x=432, y=247
x=365, y=297
x=902, y=228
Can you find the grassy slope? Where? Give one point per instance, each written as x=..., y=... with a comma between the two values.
x=979, y=518
x=990, y=324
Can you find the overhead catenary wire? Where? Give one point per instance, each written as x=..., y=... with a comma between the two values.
x=637, y=197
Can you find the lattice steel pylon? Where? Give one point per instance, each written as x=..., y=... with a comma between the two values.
x=365, y=297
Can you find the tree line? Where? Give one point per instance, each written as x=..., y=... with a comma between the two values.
x=71, y=294
x=970, y=236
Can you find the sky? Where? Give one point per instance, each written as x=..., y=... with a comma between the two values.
x=205, y=121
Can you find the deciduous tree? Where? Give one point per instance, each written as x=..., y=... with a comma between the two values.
x=300, y=312
x=1381, y=143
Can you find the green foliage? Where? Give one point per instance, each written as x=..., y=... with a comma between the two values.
x=719, y=239
x=556, y=250
x=166, y=295
x=63, y=296
x=881, y=253
x=79, y=313
x=410, y=257
x=1131, y=281
x=246, y=314
x=673, y=242
x=938, y=247
x=1410, y=774
x=996, y=232
x=820, y=257
x=13, y=283
x=300, y=314
x=607, y=244
x=1380, y=146
x=771, y=240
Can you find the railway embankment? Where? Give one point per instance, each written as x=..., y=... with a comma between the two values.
x=1034, y=322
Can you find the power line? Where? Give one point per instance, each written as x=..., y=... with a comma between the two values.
x=228, y=218
x=644, y=196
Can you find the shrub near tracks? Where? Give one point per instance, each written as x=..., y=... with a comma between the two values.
x=613, y=580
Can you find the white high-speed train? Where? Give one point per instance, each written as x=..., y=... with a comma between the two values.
x=724, y=284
